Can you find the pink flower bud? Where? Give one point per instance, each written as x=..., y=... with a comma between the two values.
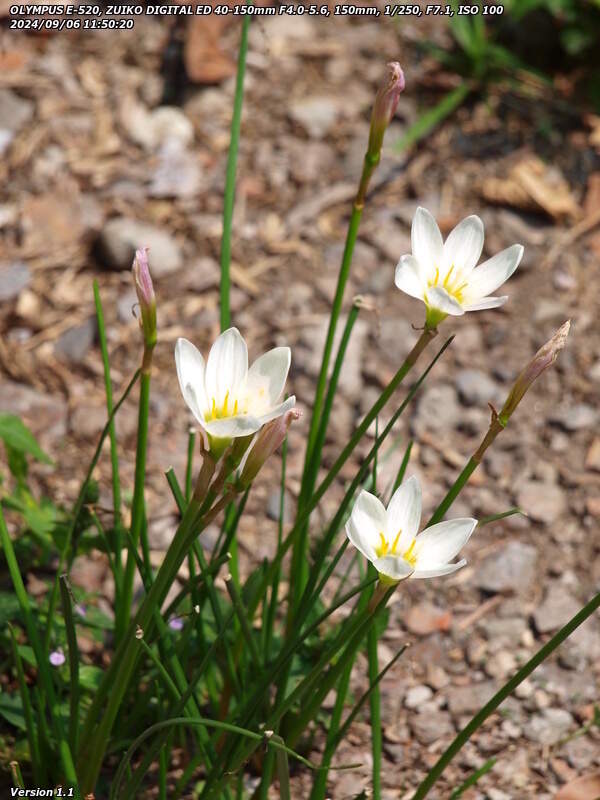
x=146, y=297
x=386, y=103
x=269, y=439
x=544, y=358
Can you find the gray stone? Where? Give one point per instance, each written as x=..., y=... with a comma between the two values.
x=469, y=699
x=581, y=752
x=316, y=114
x=501, y=664
x=428, y=728
x=548, y=727
x=177, y=173
x=309, y=356
x=438, y=410
x=151, y=129
x=512, y=567
x=417, y=695
x=556, y=609
x=594, y=372
x=126, y=305
x=13, y=278
x=121, y=237
x=475, y=388
x=505, y=630
x=576, y=417
x=42, y=412
x=273, y=506
x=15, y=112
x=543, y=502
x=74, y=344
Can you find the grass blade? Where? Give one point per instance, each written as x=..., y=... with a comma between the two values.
x=73, y=663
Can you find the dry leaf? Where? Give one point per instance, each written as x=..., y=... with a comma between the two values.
x=205, y=61
x=532, y=185
x=585, y=788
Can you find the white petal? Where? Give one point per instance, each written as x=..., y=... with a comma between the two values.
x=190, y=372
x=493, y=273
x=438, y=569
x=227, y=366
x=393, y=567
x=278, y=411
x=404, y=513
x=440, y=543
x=408, y=277
x=191, y=398
x=230, y=427
x=487, y=302
x=266, y=378
x=366, y=522
x=437, y=297
x=463, y=246
x=426, y=242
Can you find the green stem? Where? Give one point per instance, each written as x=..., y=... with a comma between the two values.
x=39, y=772
x=137, y=507
x=73, y=663
x=114, y=456
x=509, y=687
x=236, y=123
x=375, y=707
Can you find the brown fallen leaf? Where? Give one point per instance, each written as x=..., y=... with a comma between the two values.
x=205, y=60
x=587, y=787
x=532, y=185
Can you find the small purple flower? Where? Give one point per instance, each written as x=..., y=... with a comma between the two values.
x=81, y=609
x=57, y=658
x=176, y=624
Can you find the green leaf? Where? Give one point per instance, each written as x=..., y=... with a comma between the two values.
x=11, y=708
x=17, y=435
x=90, y=677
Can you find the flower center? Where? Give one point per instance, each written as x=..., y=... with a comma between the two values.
x=221, y=412
x=452, y=283
x=384, y=549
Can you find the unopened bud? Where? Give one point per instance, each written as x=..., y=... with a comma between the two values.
x=386, y=103
x=146, y=297
x=545, y=357
x=269, y=439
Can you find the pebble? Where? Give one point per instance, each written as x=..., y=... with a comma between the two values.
x=74, y=344
x=13, y=279
x=581, y=752
x=594, y=372
x=273, y=506
x=476, y=388
x=548, y=727
x=556, y=609
x=469, y=699
x=151, y=129
x=15, y=112
x=543, y=502
x=316, y=114
x=507, y=631
x=177, y=172
x=576, y=417
x=501, y=665
x=417, y=695
x=309, y=355
x=428, y=728
x=512, y=567
x=423, y=619
x=592, y=459
x=438, y=410
x=120, y=238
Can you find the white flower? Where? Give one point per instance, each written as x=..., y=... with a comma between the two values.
x=226, y=397
x=443, y=275
x=388, y=538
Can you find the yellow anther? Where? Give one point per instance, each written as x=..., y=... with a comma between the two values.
x=235, y=408
x=224, y=410
x=213, y=413
x=447, y=278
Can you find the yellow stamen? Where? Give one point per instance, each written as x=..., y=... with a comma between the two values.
x=409, y=555
x=395, y=544
x=235, y=408
x=224, y=409
x=447, y=278
x=383, y=547
x=213, y=413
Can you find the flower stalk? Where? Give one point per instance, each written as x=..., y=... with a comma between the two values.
x=543, y=359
